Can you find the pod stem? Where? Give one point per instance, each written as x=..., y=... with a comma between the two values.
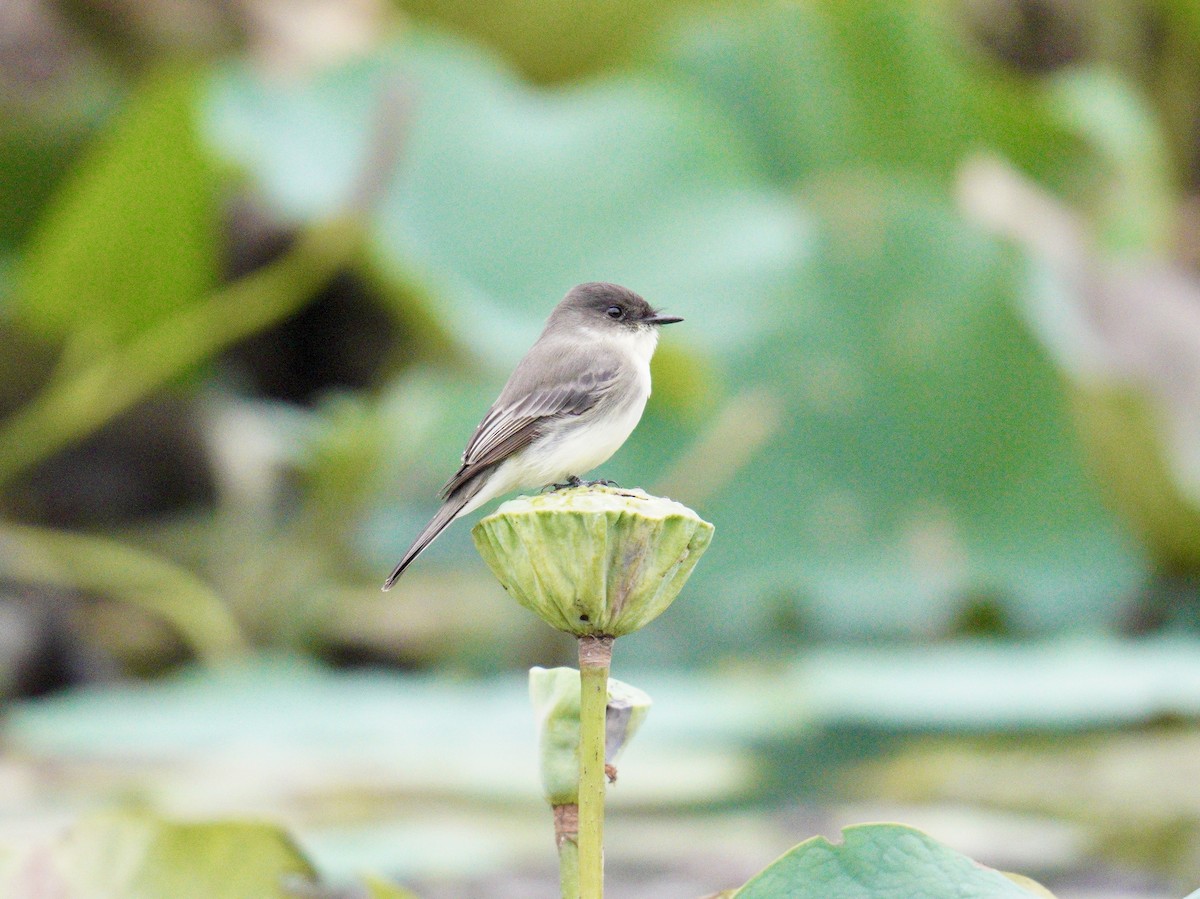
x=595, y=658
x=566, y=836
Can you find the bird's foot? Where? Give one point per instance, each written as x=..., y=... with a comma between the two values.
x=603, y=482
x=572, y=481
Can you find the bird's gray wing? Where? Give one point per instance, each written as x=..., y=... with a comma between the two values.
x=542, y=390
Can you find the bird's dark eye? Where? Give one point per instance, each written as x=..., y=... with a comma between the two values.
x=614, y=312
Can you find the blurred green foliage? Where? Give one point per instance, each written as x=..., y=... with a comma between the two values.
x=861, y=398
x=904, y=427
x=136, y=853
x=385, y=771
x=125, y=854
x=833, y=85
x=132, y=234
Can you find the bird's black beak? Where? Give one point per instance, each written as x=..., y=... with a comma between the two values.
x=657, y=319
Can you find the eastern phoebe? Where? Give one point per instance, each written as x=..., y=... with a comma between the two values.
x=569, y=405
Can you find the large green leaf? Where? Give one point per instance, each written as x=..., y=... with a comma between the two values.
x=1079, y=685
x=1123, y=329
x=366, y=763
x=920, y=458
x=507, y=195
x=880, y=861
x=132, y=233
x=375, y=771
x=848, y=83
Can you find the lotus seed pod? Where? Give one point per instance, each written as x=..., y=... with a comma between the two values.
x=554, y=693
x=593, y=560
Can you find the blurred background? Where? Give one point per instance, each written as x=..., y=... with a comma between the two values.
x=265, y=263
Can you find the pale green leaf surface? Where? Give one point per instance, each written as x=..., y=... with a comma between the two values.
x=508, y=195
x=1077, y=685
x=853, y=83
x=1112, y=323
x=923, y=448
x=252, y=738
x=290, y=738
x=879, y=861
x=371, y=715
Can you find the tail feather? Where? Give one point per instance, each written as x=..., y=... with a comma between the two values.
x=453, y=506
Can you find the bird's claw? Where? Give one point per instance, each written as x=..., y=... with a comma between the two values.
x=572, y=481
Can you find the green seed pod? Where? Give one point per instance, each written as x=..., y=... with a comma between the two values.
x=593, y=560
x=555, y=696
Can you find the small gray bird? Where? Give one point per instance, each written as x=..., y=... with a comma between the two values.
x=569, y=405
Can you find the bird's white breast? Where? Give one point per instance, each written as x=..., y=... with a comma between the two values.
x=580, y=445
x=592, y=446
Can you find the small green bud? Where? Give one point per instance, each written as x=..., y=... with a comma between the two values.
x=555, y=696
x=593, y=560
x=627, y=709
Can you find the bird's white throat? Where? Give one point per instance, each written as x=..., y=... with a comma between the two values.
x=636, y=343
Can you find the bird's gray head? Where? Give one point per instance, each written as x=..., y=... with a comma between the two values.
x=600, y=305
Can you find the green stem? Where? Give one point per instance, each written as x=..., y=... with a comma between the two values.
x=98, y=564
x=74, y=407
x=595, y=657
x=566, y=835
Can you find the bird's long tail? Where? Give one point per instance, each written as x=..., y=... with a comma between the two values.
x=454, y=506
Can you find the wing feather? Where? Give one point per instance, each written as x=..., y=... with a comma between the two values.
x=520, y=416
